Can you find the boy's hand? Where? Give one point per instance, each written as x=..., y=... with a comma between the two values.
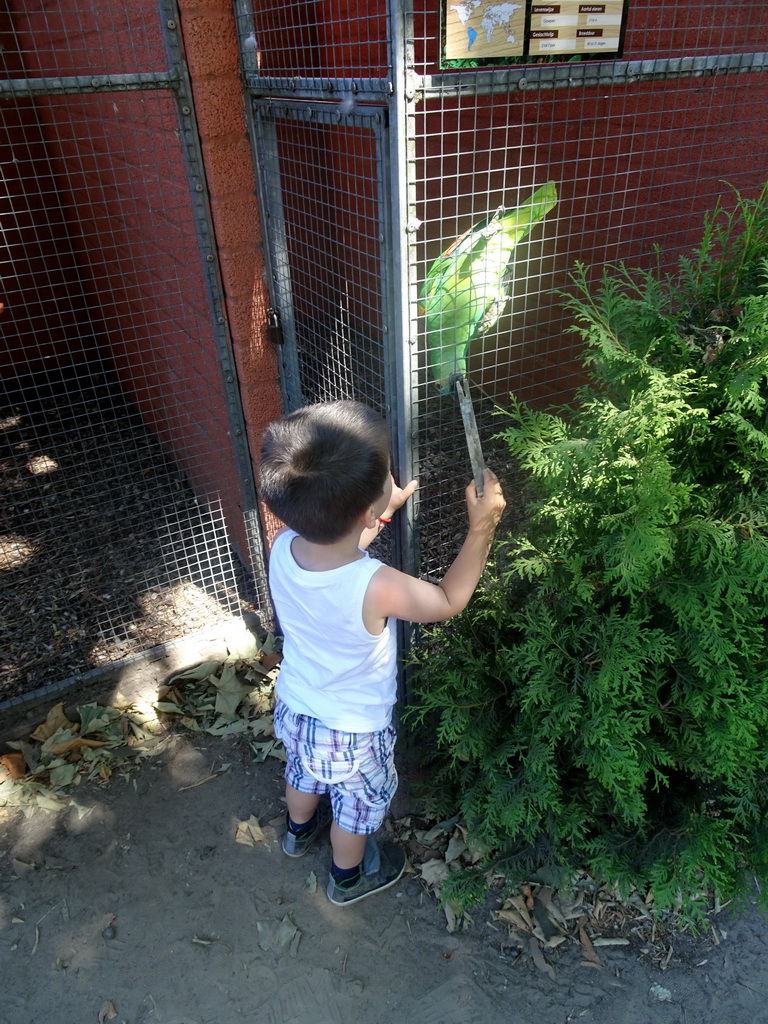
x=399, y=497
x=485, y=513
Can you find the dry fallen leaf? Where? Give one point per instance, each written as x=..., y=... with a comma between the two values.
x=230, y=691
x=286, y=932
x=14, y=764
x=456, y=847
x=452, y=916
x=75, y=744
x=539, y=959
x=283, y=935
x=546, y=898
x=195, y=674
x=435, y=871
x=55, y=720
x=528, y=896
x=168, y=694
x=587, y=948
x=511, y=916
x=544, y=928
x=107, y=1012
x=519, y=904
x=250, y=833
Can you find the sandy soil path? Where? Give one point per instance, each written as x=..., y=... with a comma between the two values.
x=145, y=910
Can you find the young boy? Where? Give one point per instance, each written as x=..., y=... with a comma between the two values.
x=325, y=473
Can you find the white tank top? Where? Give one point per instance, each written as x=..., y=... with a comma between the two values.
x=333, y=669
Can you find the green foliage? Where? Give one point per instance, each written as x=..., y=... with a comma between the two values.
x=603, y=703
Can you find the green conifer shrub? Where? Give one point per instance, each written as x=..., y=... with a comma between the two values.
x=602, y=705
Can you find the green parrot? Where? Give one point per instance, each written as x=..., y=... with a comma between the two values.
x=466, y=289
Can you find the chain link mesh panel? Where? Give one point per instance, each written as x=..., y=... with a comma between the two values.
x=121, y=507
x=321, y=173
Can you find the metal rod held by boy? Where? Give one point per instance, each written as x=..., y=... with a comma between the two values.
x=470, y=429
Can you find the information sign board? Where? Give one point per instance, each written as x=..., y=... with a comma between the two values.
x=493, y=32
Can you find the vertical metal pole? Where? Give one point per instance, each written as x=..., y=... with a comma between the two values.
x=246, y=37
x=278, y=258
x=401, y=314
x=262, y=132
x=402, y=323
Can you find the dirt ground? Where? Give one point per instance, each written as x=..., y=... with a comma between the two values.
x=135, y=904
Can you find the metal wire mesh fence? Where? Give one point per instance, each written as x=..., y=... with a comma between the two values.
x=121, y=507
x=638, y=147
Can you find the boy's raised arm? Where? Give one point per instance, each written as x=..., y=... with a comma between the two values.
x=395, y=594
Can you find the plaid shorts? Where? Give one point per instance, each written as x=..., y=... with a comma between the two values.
x=357, y=769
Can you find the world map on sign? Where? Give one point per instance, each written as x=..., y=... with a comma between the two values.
x=495, y=22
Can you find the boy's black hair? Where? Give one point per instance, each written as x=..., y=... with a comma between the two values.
x=322, y=466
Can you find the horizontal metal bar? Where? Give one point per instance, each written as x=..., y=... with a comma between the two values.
x=62, y=86
x=310, y=88
x=334, y=112
x=588, y=73
x=522, y=78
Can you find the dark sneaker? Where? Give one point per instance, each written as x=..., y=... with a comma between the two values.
x=297, y=846
x=390, y=867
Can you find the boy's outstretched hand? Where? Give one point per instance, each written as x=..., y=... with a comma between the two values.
x=485, y=513
x=399, y=496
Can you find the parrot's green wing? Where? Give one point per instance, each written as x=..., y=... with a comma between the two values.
x=446, y=266
x=466, y=289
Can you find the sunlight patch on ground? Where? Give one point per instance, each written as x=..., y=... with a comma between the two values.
x=15, y=550
x=168, y=602
x=42, y=464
